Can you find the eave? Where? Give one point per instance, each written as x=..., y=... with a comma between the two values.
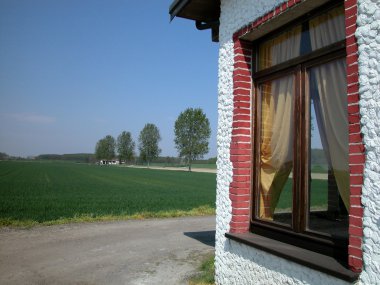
x=205, y=13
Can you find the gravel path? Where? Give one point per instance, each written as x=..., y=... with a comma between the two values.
x=322, y=176
x=162, y=251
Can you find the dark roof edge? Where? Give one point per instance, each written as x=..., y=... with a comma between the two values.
x=205, y=13
x=176, y=7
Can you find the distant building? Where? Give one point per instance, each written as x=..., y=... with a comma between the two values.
x=109, y=162
x=292, y=72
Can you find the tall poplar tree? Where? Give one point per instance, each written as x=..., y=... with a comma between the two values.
x=105, y=148
x=125, y=146
x=192, y=132
x=148, y=143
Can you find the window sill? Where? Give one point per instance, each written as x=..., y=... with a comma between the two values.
x=316, y=261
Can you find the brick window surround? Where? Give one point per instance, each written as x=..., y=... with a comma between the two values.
x=241, y=145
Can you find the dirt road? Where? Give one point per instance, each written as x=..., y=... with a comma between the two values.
x=322, y=176
x=164, y=251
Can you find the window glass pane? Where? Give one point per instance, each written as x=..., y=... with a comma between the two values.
x=317, y=33
x=328, y=167
x=281, y=48
x=327, y=29
x=276, y=150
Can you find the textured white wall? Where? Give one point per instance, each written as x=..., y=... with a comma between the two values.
x=368, y=35
x=240, y=264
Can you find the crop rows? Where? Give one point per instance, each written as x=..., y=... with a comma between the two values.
x=48, y=191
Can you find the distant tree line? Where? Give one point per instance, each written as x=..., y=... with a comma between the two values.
x=90, y=158
x=123, y=148
x=192, y=132
x=74, y=157
x=318, y=157
x=4, y=156
x=180, y=161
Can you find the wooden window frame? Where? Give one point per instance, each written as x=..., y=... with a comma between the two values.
x=297, y=234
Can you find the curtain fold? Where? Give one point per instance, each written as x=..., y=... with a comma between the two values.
x=277, y=101
x=331, y=113
x=329, y=97
x=276, y=142
x=276, y=157
x=281, y=48
x=327, y=29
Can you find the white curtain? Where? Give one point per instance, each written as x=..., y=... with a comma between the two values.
x=276, y=141
x=277, y=121
x=330, y=99
x=327, y=29
x=281, y=48
x=282, y=137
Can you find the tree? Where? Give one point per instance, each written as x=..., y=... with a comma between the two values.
x=125, y=146
x=148, y=143
x=4, y=156
x=192, y=132
x=105, y=148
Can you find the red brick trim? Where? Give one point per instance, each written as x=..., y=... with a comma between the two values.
x=356, y=146
x=241, y=145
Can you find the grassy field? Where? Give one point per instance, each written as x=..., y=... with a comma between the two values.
x=195, y=165
x=59, y=192
x=204, y=165
x=318, y=195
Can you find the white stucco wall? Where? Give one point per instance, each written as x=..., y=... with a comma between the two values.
x=240, y=264
x=368, y=35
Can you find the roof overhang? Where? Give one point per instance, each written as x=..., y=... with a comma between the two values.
x=283, y=19
x=205, y=13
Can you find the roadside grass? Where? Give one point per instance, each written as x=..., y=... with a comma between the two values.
x=206, y=274
x=200, y=211
x=47, y=193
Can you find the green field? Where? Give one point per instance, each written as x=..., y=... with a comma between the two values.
x=59, y=192
x=54, y=192
x=195, y=165
x=318, y=195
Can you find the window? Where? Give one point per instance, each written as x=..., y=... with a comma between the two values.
x=301, y=178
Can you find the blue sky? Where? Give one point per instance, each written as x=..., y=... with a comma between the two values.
x=72, y=72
